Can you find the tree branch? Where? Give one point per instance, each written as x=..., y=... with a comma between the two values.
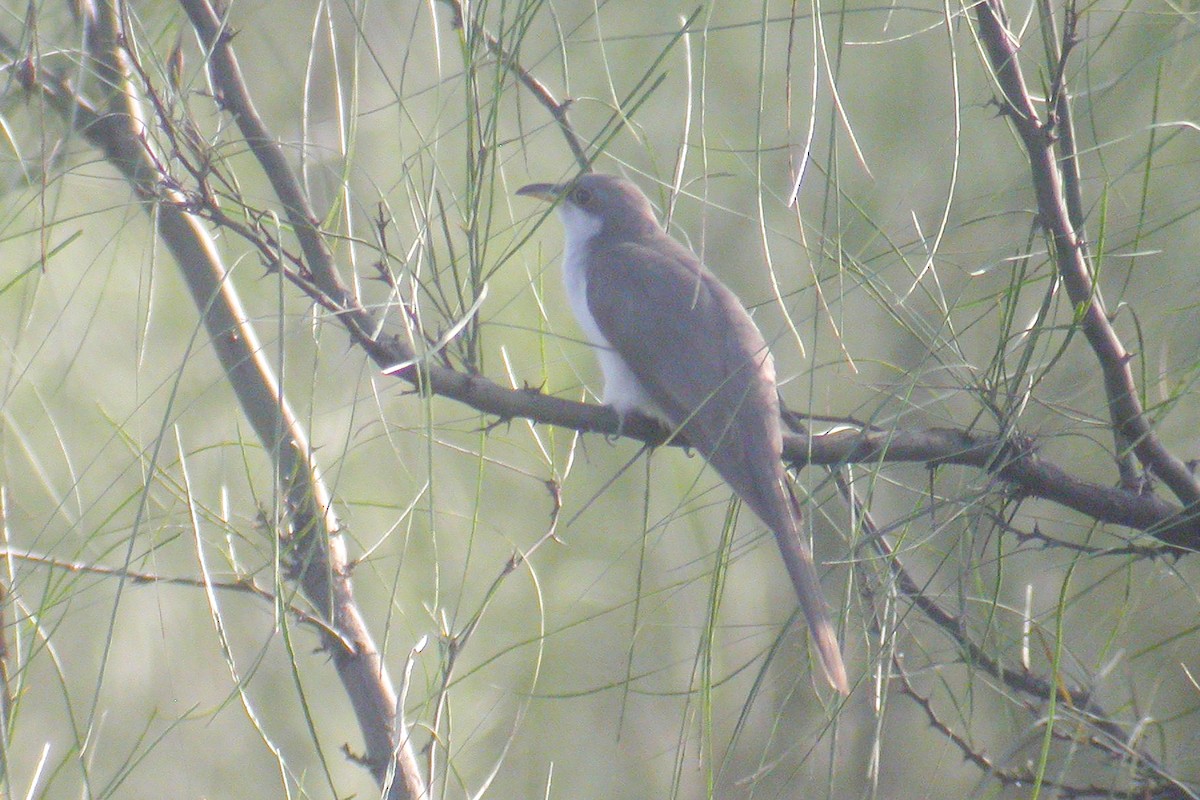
x=311, y=527
x=1070, y=251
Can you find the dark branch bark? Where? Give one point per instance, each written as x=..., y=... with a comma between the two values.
x=1015, y=463
x=1069, y=244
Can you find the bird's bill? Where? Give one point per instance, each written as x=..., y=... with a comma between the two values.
x=543, y=191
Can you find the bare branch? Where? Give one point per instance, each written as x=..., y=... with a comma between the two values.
x=240, y=585
x=1013, y=461
x=311, y=526
x=1128, y=416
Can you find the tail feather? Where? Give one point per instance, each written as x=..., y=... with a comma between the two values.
x=772, y=500
x=803, y=573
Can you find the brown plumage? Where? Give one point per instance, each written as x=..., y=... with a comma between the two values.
x=676, y=342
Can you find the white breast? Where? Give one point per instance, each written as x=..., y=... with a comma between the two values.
x=622, y=390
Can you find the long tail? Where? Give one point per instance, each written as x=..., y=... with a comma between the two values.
x=768, y=494
x=803, y=572
x=750, y=463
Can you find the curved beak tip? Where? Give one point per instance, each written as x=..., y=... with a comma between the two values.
x=542, y=191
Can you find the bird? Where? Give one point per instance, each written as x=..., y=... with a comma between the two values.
x=676, y=343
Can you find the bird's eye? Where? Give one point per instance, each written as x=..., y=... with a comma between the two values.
x=581, y=196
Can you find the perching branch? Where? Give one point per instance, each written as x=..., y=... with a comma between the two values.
x=1023, y=470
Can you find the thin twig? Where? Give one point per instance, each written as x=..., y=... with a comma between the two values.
x=1111, y=737
x=558, y=110
x=238, y=585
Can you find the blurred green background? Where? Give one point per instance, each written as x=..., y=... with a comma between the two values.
x=896, y=291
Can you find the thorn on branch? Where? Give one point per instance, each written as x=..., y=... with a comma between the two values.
x=514, y=561
x=554, y=486
x=456, y=14
x=26, y=70
x=1070, y=37
x=382, y=220
x=384, y=275
x=356, y=758
x=1002, y=108
x=505, y=420
x=217, y=97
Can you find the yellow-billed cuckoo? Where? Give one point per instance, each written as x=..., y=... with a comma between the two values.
x=674, y=341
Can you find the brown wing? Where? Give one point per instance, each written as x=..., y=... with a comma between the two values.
x=695, y=350
x=698, y=354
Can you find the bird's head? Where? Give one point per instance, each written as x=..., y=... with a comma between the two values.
x=594, y=203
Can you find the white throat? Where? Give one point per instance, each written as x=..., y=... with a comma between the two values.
x=622, y=390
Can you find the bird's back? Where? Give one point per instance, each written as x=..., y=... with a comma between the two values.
x=701, y=359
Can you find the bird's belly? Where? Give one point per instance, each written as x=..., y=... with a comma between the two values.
x=622, y=390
